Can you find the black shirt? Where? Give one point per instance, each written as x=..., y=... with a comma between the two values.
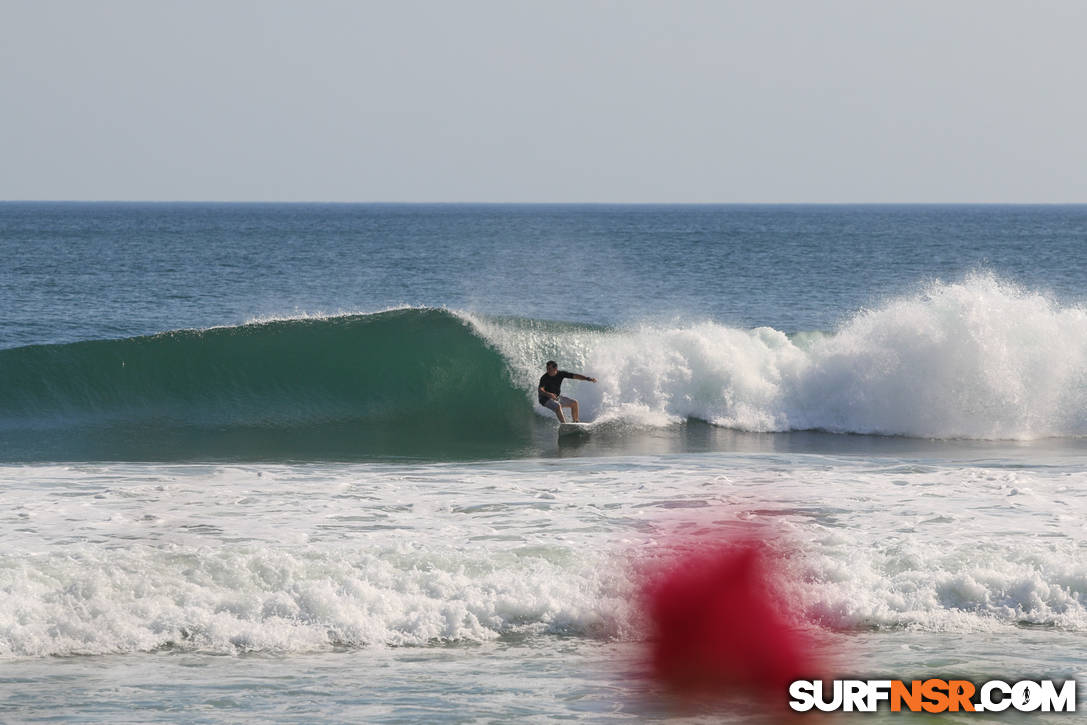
x=553, y=384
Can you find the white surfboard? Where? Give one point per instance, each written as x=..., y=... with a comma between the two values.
x=573, y=429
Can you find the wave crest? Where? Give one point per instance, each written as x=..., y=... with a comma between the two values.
x=979, y=359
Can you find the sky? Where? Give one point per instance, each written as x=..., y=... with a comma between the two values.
x=764, y=101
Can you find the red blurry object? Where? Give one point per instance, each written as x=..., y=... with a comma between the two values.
x=719, y=628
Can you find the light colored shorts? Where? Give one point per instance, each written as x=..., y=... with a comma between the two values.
x=563, y=401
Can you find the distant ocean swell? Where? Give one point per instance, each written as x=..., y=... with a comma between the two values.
x=978, y=359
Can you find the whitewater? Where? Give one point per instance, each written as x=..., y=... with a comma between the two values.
x=979, y=358
x=253, y=566
x=274, y=463
x=279, y=560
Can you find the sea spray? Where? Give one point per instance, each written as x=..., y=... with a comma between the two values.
x=980, y=358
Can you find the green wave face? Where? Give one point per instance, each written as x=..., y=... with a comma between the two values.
x=409, y=382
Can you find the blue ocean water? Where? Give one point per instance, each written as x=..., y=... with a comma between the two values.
x=258, y=457
x=96, y=271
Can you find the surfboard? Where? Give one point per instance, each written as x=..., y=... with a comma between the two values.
x=573, y=429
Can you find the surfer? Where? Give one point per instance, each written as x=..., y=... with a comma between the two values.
x=550, y=390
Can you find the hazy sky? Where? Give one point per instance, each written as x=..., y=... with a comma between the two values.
x=758, y=101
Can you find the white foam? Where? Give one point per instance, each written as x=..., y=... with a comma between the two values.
x=977, y=359
x=956, y=586
x=929, y=549
x=237, y=599
x=323, y=315
x=284, y=559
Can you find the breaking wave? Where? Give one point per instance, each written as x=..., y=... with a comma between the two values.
x=977, y=359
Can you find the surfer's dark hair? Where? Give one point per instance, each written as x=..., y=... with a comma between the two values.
x=551, y=364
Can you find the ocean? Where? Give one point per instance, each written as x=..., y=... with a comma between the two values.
x=284, y=462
